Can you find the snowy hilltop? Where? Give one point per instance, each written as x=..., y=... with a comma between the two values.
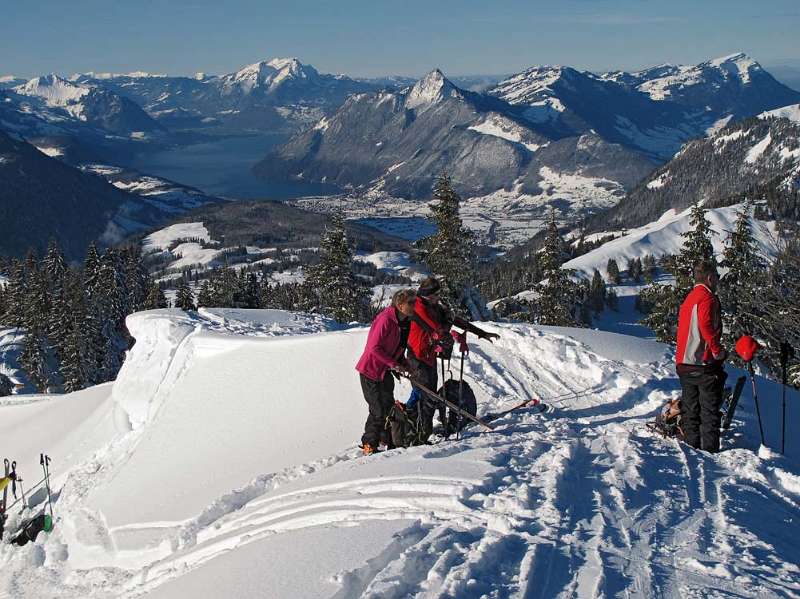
x=222, y=462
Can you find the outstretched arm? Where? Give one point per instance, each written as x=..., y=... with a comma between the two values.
x=468, y=326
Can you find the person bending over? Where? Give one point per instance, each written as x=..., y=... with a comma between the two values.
x=383, y=352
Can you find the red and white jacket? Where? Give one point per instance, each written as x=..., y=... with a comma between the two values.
x=699, y=328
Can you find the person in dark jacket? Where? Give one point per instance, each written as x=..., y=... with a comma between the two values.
x=430, y=330
x=699, y=360
x=382, y=354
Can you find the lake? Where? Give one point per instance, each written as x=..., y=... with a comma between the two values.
x=223, y=167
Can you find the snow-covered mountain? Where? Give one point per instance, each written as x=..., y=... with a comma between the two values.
x=396, y=143
x=746, y=156
x=655, y=110
x=281, y=93
x=60, y=101
x=220, y=464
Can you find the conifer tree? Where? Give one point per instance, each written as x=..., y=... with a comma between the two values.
x=185, y=298
x=557, y=297
x=696, y=248
x=662, y=302
x=597, y=292
x=56, y=270
x=612, y=268
x=746, y=275
x=331, y=286
x=635, y=269
x=74, y=350
x=15, y=290
x=34, y=357
x=6, y=386
x=155, y=297
x=649, y=268
x=205, y=297
x=449, y=253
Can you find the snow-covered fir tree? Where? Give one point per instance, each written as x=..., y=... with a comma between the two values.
x=450, y=252
x=74, y=355
x=35, y=359
x=740, y=286
x=155, y=297
x=558, y=299
x=205, y=297
x=612, y=268
x=185, y=298
x=597, y=292
x=662, y=302
x=331, y=285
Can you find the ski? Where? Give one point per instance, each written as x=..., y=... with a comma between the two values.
x=448, y=403
x=528, y=403
x=6, y=480
x=730, y=403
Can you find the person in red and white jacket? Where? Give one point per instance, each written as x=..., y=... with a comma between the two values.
x=430, y=330
x=699, y=360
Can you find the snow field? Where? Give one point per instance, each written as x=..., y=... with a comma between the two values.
x=663, y=237
x=223, y=462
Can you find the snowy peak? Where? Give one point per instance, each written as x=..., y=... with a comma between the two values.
x=739, y=64
x=54, y=90
x=268, y=75
x=429, y=90
x=536, y=84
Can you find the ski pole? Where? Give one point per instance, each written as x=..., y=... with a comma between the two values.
x=755, y=399
x=463, y=349
x=44, y=461
x=16, y=479
x=787, y=352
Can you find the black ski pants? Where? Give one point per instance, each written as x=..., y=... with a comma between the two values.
x=700, y=404
x=380, y=399
x=426, y=407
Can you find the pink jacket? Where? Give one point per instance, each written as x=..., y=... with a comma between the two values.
x=383, y=346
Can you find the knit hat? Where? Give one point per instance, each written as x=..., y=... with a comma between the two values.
x=429, y=286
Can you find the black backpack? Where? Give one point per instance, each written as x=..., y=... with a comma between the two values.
x=408, y=426
x=451, y=390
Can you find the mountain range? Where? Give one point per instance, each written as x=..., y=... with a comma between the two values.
x=399, y=142
x=281, y=93
x=548, y=136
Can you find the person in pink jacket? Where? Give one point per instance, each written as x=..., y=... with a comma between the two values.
x=386, y=343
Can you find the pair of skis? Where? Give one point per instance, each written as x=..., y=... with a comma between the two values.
x=484, y=422
x=30, y=528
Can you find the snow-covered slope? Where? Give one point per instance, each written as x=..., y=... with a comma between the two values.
x=222, y=463
x=664, y=236
x=759, y=156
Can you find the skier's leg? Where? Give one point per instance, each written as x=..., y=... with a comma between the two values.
x=710, y=391
x=427, y=408
x=386, y=391
x=374, y=423
x=690, y=408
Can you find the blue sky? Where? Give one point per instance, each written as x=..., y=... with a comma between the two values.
x=407, y=37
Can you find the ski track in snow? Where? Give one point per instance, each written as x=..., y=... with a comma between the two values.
x=584, y=502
